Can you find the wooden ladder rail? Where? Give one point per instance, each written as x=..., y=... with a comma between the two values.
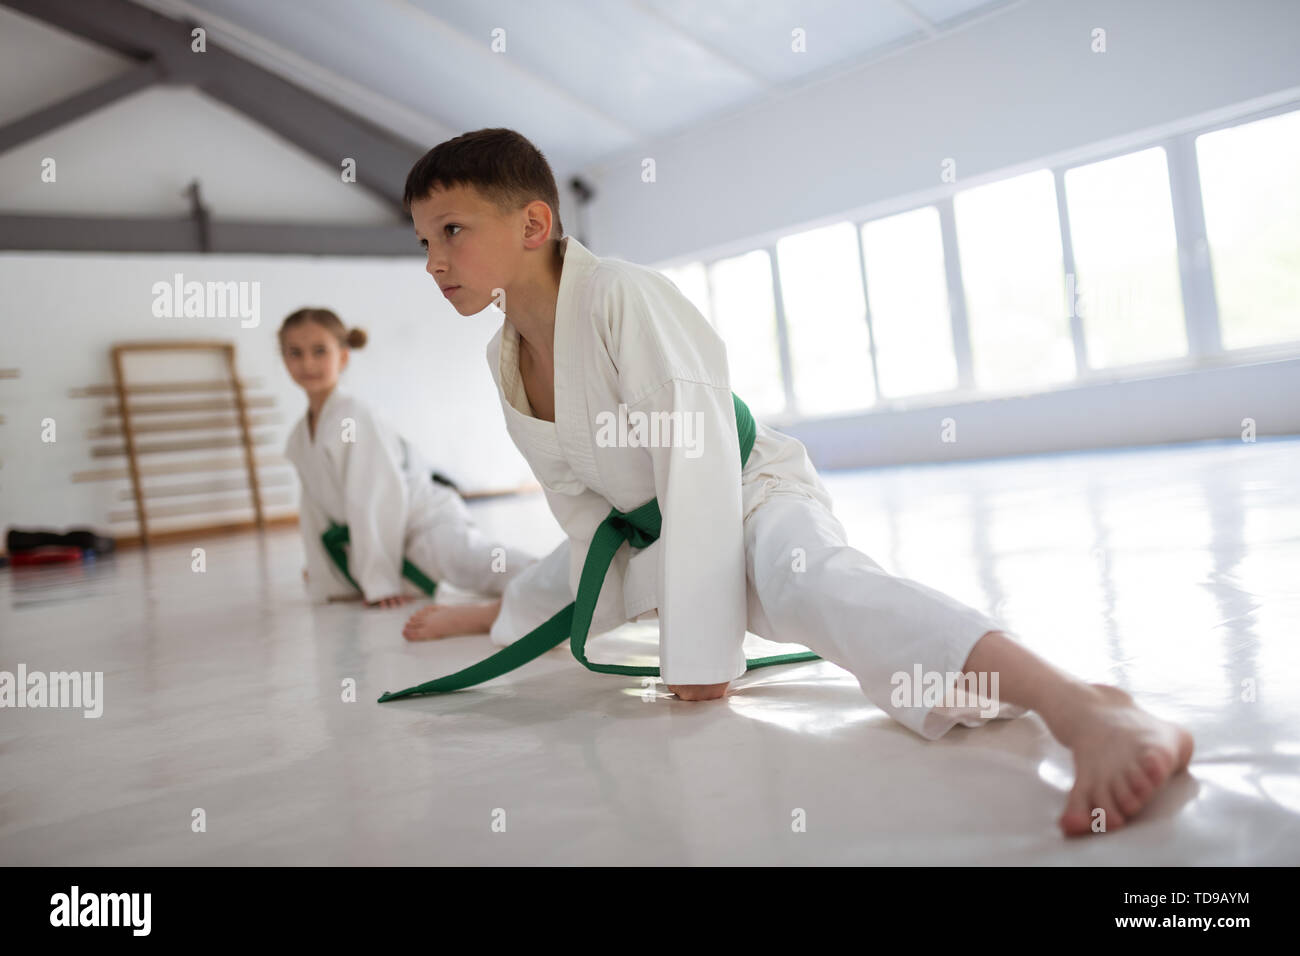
x=133, y=465
x=241, y=406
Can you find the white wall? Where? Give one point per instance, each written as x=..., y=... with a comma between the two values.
x=1018, y=87
x=1202, y=405
x=135, y=157
x=59, y=314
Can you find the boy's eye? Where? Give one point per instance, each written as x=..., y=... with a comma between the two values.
x=451, y=225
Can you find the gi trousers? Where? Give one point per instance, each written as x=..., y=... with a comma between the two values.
x=808, y=586
x=448, y=546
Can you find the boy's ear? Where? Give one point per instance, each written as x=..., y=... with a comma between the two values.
x=344, y=355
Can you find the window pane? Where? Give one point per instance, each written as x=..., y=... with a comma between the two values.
x=821, y=287
x=1009, y=237
x=1250, y=187
x=908, y=293
x=745, y=316
x=691, y=281
x=1128, y=292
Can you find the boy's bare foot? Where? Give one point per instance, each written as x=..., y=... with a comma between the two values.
x=1122, y=755
x=444, y=620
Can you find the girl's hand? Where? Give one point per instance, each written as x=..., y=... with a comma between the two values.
x=397, y=600
x=699, y=691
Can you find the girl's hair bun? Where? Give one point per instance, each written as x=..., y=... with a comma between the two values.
x=356, y=338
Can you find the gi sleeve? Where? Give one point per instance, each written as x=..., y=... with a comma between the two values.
x=701, y=566
x=324, y=579
x=376, y=500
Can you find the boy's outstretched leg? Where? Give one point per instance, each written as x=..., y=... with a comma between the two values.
x=808, y=586
x=1122, y=754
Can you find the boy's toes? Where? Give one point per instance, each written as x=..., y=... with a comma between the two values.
x=1075, y=819
x=1140, y=785
x=1113, y=817
x=1155, y=764
x=1124, y=797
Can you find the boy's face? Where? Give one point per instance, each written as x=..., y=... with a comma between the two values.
x=473, y=247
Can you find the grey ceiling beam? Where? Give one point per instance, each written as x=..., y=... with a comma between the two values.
x=924, y=22
x=105, y=234
x=308, y=121
x=50, y=118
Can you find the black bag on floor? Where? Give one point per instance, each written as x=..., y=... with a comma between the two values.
x=19, y=540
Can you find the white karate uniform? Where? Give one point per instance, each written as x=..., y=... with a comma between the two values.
x=358, y=471
x=726, y=560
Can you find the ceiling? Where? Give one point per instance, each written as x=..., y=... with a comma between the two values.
x=592, y=82
x=587, y=80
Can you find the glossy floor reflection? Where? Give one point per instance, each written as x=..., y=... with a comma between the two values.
x=1173, y=572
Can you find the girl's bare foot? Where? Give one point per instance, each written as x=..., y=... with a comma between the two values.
x=1122, y=755
x=444, y=620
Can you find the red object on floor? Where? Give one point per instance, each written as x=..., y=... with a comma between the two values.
x=51, y=554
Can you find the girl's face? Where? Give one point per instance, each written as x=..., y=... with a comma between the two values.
x=313, y=357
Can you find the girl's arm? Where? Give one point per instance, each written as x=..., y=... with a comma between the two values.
x=324, y=580
x=377, y=500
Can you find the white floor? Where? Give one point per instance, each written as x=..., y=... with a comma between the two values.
x=1174, y=572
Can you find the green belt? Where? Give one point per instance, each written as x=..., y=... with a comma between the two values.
x=337, y=536
x=640, y=528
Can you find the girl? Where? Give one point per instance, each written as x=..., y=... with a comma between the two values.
x=358, y=472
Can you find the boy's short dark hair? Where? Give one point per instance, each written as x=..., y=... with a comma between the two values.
x=501, y=164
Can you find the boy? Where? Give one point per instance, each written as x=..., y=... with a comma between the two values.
x=590, y=346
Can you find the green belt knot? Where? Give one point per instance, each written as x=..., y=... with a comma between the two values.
x=640, y=527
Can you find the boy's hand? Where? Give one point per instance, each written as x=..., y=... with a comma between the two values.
x=395, y=601
x=699, y=691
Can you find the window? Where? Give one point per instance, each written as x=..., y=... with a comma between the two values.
x=735, y=295
x=825, y=314
x=1250, y=188
x=1127, y=291
x=694, y=284
x=746, y=319
x=1009, y=241
x=908, y=293
x=1020, y=307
